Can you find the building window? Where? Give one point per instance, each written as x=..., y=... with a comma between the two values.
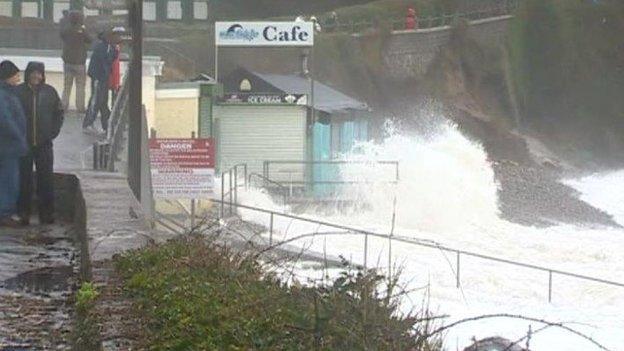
x=91, y=12
x=245, y=85
x=149, y=11
x=201, y=10
x=30, y=9
x=174, y=10
x=6, y=8
x=59, y=7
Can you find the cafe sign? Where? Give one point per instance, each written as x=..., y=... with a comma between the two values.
x=264, y=34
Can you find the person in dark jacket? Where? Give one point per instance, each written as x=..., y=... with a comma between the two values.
x=75, y=42
x=12, y=143
x=44, y=119
x=100, y=67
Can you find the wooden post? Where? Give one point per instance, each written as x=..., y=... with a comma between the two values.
x=135, y=18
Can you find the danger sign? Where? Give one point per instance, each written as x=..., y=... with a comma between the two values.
x=182, y=168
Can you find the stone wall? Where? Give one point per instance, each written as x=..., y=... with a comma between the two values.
x=409, y=53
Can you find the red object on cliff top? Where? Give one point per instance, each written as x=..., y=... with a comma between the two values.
x=410, y=20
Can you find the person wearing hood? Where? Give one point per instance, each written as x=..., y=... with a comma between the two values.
x=44, y=118
x=12, y=143
x=100, y=68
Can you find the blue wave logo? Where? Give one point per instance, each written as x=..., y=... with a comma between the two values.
x=237, y=32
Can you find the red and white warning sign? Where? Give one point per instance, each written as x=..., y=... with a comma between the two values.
x=182, y=168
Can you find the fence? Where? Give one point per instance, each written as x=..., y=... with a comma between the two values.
x=105, y=152
x=392, y=238
x=232, y=191
x=233, y=185
x=506, y=7
x=266, y=170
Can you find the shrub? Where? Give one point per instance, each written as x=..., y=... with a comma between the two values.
x=194, y=295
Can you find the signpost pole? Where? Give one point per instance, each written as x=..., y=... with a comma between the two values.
x=193, y=201
x=216, y=61
x=135, y=18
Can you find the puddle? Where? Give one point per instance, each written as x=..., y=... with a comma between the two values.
x=38, y=272
x=41, y=281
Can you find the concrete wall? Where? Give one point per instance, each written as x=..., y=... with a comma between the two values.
x=409, y=53
x=176, y=114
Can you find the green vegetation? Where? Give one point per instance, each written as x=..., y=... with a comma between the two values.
x=86, y=331
x=85, y=297
x=195, y=295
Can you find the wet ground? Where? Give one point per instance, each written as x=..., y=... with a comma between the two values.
x=73, y=148
x=38, y=270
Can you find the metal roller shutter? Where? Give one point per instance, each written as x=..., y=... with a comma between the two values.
x=253, y=134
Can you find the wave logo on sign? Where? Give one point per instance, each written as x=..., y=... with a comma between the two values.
x=237, y=32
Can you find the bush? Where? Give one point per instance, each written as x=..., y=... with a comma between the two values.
x=86, y=333
x=194, y=295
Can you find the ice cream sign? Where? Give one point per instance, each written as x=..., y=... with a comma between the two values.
x=246, y=34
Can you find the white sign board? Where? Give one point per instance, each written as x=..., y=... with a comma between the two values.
x=182, y=168
x=264, y=34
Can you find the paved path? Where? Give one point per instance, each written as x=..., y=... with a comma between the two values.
x=38, y=265
x=38, y=269
x=73, y=147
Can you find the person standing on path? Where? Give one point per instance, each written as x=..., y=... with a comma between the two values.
x=75, y=42
x=12, y=143
x=100, y=67
x=44, y=119
x=64, y=21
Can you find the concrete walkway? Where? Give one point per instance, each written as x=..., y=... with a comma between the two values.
x=39, y=265
x=73, y=147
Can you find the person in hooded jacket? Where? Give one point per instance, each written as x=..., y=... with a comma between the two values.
x=44, y=118
x=12, y=143
x=100, y=68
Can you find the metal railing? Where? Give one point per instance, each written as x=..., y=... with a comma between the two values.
x=118, y=123
x=551, y=272
x=233, y=185
x=266, y=170
x=270, y=186
x=506, y=7
x=105, y=152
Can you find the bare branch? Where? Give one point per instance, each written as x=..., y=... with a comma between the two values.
x=504, y=315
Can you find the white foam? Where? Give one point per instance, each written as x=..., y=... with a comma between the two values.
x=447, y=194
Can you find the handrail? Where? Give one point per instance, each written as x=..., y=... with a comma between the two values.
x=233, y=184
x=282, y=188
x=425, y=22
x=427, y=244
x=267, y=174
x=118, y=120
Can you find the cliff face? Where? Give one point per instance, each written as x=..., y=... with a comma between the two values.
x=558, y=77
x=567, y=67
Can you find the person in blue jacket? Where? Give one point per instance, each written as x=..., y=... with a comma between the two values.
x=100, y=67
x=13, y=143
